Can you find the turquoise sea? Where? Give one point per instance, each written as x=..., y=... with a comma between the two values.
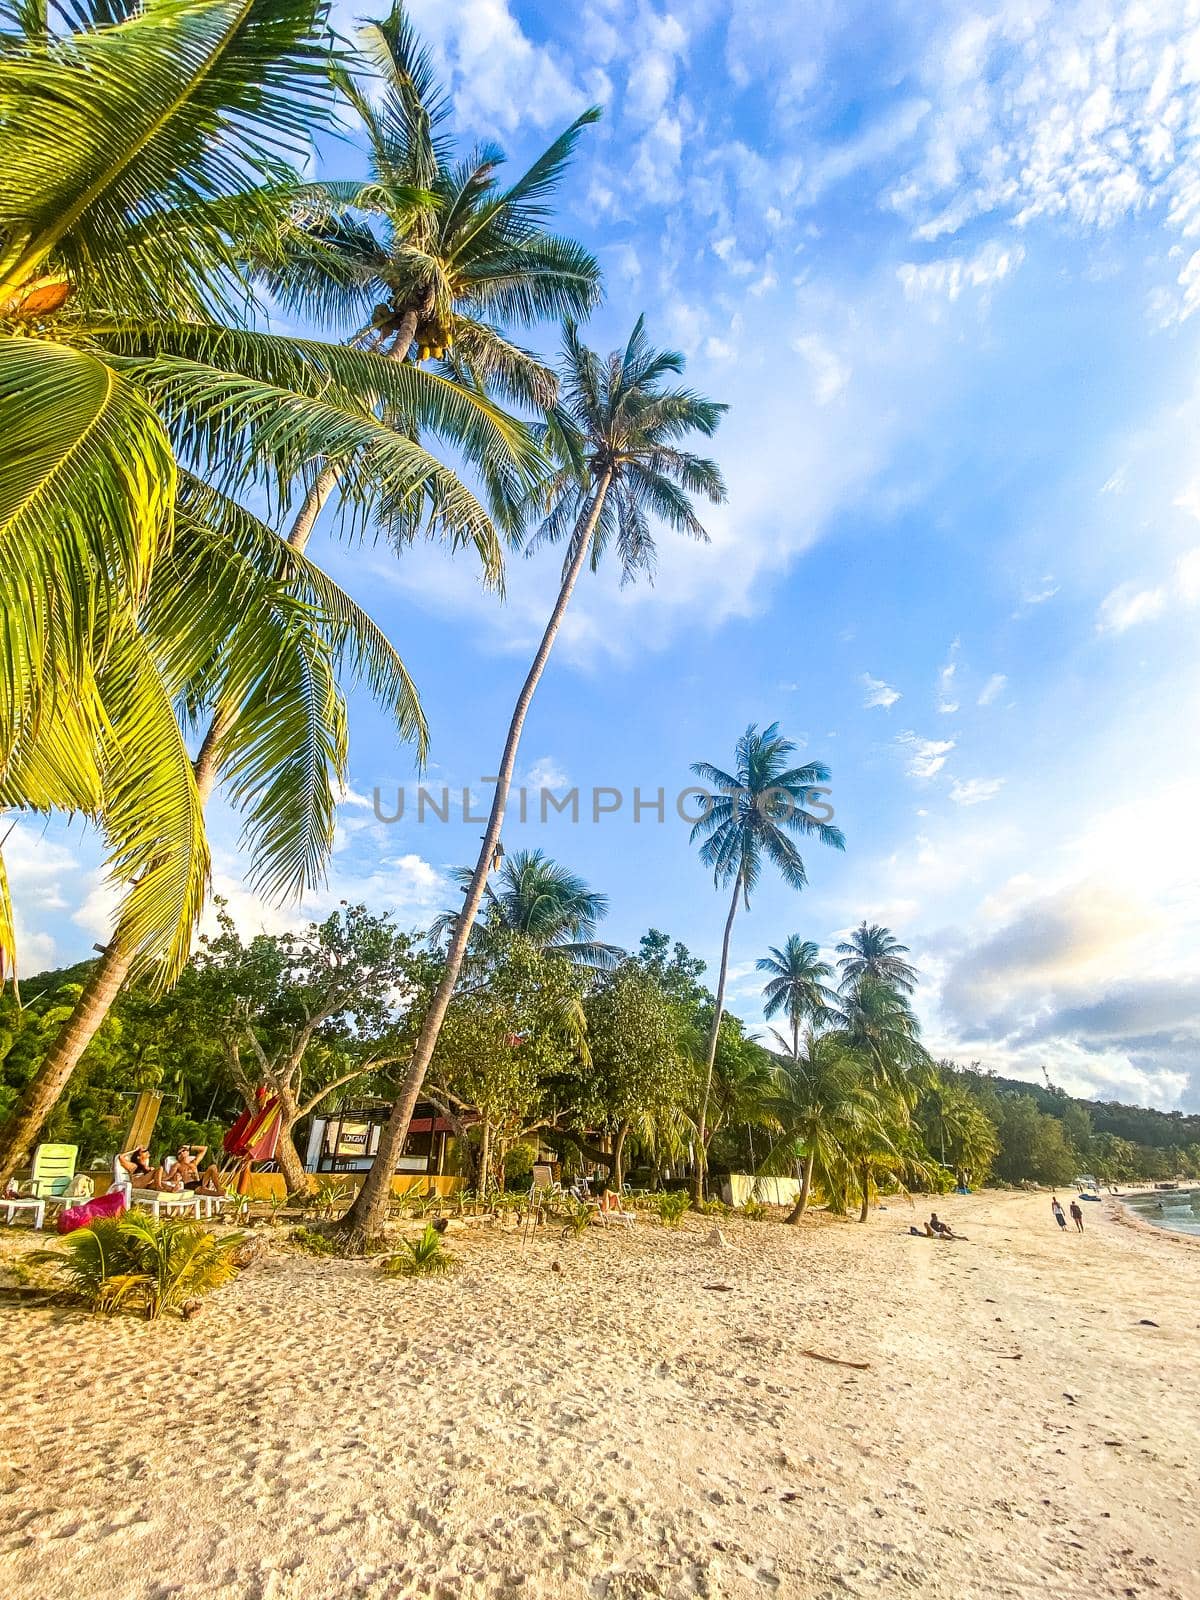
x=1176, y=1209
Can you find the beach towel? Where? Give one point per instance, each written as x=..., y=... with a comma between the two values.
x=104, y=1205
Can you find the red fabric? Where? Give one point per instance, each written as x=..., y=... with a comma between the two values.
x=255, y=1135
x=104, y=1205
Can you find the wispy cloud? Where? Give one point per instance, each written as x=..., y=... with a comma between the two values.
x=946, y=279
x=947, y=703
x=1127, y=605
x=878, y=693
x=973, y=791
x=926, y=757
x=992, y=689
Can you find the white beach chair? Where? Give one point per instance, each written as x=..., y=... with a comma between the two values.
x=168, y=1200
x=14, y=1203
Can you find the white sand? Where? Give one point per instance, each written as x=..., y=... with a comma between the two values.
x=618, y=1430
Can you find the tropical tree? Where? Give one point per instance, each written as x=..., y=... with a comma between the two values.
x=431, y=256
x=878, y=1024
x=304, y=1014
x=542, y=900
x=873, y=953
x=957, y=1131
x=796, y=985
x=617, y=433
x=751, y=815
x=145, y=260
x=831, y=1116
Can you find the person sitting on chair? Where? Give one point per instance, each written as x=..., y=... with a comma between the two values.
x=132, y=1170
x=184, y=1170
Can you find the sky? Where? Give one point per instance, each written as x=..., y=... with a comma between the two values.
x=943, y=263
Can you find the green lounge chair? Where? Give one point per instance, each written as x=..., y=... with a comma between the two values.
x=53, y=1170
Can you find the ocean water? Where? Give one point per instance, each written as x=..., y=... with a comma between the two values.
x=1177, y=1209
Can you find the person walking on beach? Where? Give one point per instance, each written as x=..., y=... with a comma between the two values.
x=1077, y=1215
x=1060, y=1215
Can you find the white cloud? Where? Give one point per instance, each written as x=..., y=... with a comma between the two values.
x=927, y=756
x=1127, y=605
x=546, y=773
x=878, y=693
x=830, y=374
x=973, y=791
x=499, y=78
x=992, y=689
x=948, y=278
x=946, y=703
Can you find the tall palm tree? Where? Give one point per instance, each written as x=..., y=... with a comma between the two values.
x=796, y=984
x=618, y=432
x=141, y=153
x=445, y=277
x=753, y=812
x=957, y=1130
x=542, y=900
x=872, y=952
x=877, y=1022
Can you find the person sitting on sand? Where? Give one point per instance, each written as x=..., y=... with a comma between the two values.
x=183, y=1170
x=938, y=1228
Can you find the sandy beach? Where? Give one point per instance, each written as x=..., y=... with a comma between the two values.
x=619, y=1428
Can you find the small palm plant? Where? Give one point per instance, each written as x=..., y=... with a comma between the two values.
x=161, y=1265
x=672, y=1206
x=577, y=1219
x=426, y=1257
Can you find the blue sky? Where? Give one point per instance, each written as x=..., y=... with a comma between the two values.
x=944, y=263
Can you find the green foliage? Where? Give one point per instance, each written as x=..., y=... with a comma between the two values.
x=671, y=1206
x=311, y=1242
x=578, y=1216
x=518, y=1166
x=134, y=1261
x=426, y=1257
x=755, y=1211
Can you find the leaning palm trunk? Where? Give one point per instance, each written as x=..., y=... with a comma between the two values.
x=801, y=1205
x=100, y=993
x=700, y=1172
x=111, y=972
x=364, y=1219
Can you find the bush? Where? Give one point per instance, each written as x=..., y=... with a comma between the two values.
x=312, y=1242
x=577, y=1218
x=756, y=1211
x=135, y=1261
x=518, y=1167
x=671, y=1206
x=426, y=1257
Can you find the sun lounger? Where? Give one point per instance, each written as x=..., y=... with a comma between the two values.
x=168, y=1200
x=25, y=1203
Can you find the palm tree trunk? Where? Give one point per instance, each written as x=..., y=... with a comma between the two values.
x=801, y=1205
x=365, y=1216
x=616, y=1173
x=485, y=1158
x=866, y=1194
x=42, y=1093
x=700, y=1173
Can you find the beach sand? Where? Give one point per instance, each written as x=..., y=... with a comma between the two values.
x=617, y=1429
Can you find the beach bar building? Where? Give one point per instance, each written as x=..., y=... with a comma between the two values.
x=346, y=1140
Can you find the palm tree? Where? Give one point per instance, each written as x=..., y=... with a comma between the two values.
x=543, y=901
x=751, y=814
x=430, y=256
x=617, y=432
x=796, y=984
x=957, y=1130
x=872, y=952
x=124, y=255
x=878, y=1024
x=825, y=1108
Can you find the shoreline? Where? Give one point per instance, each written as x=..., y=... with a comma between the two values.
x=636, y=1415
